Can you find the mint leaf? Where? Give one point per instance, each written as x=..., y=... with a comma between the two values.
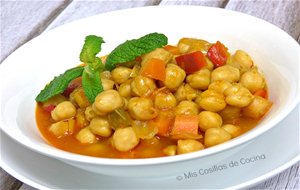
x=59, y=84
x=131, y=49
x=91, y=83
x=92, y=46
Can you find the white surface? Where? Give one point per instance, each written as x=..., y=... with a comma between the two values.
x=18, y=95
x=276, y=155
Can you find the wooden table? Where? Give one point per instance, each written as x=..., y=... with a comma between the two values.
x=23, y=20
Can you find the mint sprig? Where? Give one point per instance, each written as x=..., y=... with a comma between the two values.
x=131, y=49
x=59, y=84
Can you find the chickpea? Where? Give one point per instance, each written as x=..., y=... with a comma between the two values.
x=214, y=136
x=238, y=96
x=125, y=89
x=107, y=84
x=257, y=108
x=226, y=72
x=159, y=53
x=107, y=101
x=85, y=136
x=120, y=74
x=63, y=110
x=219, y=86
x=252, y=80
x=174, y=76
x=170, y=150
x=209, y=65
x=233, y=130
x=192, y=44
x=208, y=119
x=241, y=60
x=186, y=92
x=186, y=107
x=141, y=108
x=211, y=100
x=189, y=145
x=142, y=86
x=199, y=80
x=230, y=112
x=100, y=126
x=165, y=101
x=89, y=113
x=105, y=75
x=125, y=139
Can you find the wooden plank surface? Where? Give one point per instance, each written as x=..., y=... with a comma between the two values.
x=23, y=20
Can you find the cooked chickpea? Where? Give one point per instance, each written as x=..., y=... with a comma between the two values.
x=85, y=136
x=186, y=92
x=230, y=112
x=120, y=74
x=125, y=139
x=186, y=107
x=199, y=80
x=174, y=76
x=107, y=101
x=159, y=53
x=191, y=44
x=211, y=100
x=107, y=84
x=89, y=113
x=170, y=150
x=100, y=126
x=141, y=108
x=238, y=96
x=142, y=86
x=233, y=130
x=188, y=145
x=252, y=80
x=257, y=108
x=165, y=101
x=105, y=75
x=241, y=60
x=214, y=136
x=63, y=110
x=208, y=119
x=226, y=72
x=219, y=86
x=125, y=89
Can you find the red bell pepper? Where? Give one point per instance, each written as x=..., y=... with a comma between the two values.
x=191, y=62
x=217, y=53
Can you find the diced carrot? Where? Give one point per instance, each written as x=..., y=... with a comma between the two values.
x=155, y=69
x=261, y=92
x=217, y=53
x=185, y=126
x=191, y=62
x=172, y=49
x=164, y=121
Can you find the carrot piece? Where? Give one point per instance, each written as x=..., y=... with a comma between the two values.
x=155, y=69
x=172, y=49
x=163, y=122
x=191, y=62
x=185, y=126
x=217, y=53
x=261, y=92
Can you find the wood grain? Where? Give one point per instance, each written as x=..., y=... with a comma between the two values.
x=23, y=20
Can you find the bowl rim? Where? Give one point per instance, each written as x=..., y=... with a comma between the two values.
x=67, y=156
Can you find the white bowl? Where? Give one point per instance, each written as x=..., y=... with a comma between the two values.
x=29, y=68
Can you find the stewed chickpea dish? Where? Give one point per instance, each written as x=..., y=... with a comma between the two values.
x=171, y=100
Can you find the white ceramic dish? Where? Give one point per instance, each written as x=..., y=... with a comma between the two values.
x=43, y=172
x=29, y=68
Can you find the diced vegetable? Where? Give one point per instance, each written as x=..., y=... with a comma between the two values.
x=172, y=49
x=217, y=53
x=163, y=122
x=261, y=93
x=191, y=62
x=155, y=69
x=49, y=108
x=71, y=87
x=185, y=127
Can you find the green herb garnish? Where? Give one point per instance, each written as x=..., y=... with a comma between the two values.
x=131, y=49
x=59, y=84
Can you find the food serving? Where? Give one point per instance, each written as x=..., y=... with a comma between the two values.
x=148, y=98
